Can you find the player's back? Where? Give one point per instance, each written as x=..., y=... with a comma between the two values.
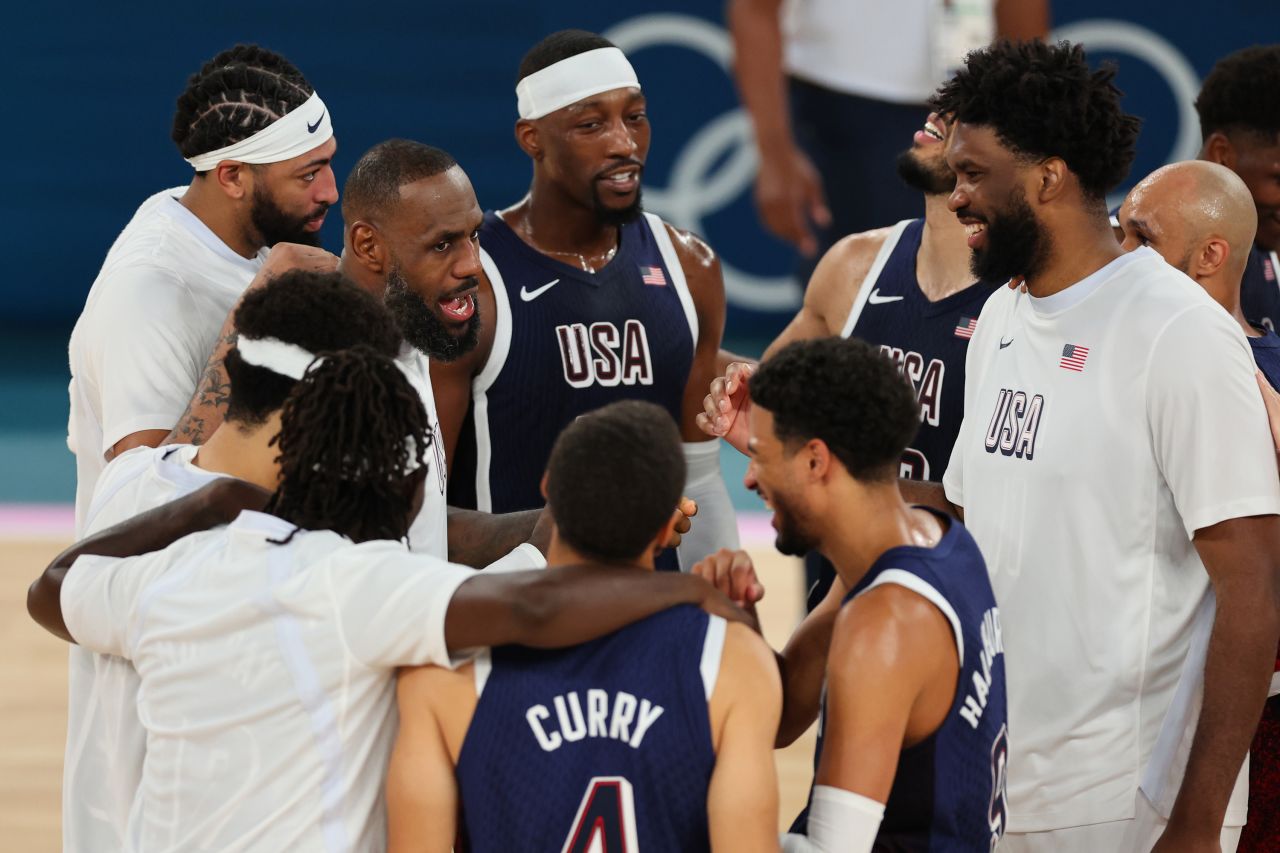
x=611, y=739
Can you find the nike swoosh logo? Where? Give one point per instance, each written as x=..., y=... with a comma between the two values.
x=530, y=295
x=312, y=128
x=876, y=299
x=1004, y=343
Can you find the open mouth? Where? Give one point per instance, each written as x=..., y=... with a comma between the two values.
x=977, y=234
x=934, y=131
x=314, y=224
x=622, y=180
x=460, y=308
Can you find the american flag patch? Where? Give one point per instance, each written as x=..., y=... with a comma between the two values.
x=966, y=327
x=654, y=276
x=1268, y=270
x=1073, y=357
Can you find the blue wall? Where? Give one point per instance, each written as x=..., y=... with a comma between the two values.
x=91, y=90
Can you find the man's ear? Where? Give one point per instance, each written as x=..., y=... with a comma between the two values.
x=367, y=247
x=542, y=487
x=1052, y=175
x=529, y=139
x=667, y=532
x=1210, y=257
x=1219, y=149
x=818, y=457
x=234, y=179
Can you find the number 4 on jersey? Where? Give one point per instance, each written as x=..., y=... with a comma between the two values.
x=606, y=821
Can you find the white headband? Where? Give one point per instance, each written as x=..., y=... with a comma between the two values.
x=296, y=133
x=570, y=80
x=277, y=356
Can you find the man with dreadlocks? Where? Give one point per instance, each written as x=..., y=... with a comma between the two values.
x=105, y=741
x=260, y=141
x=267, y=650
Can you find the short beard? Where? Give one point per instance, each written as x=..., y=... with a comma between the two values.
x=1017, y=245
x=793, y=540
x=612, y=216
x=276, y=226
x=420, y=326
x=918, y=176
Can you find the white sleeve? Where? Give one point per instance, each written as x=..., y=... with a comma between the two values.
x=984, y=339
x=716, y=525
x=1208, y=424
x=145, y=343
x=392, y=604
x=522, y=558
x=840, y=821
x=99, y=600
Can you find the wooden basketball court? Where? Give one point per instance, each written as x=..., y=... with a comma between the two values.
x=33, y=696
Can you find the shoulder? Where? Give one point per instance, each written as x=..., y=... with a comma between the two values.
x=429, y=687
x=747, y=664
x=887, y=627
x=846, y=263
x=693, y=251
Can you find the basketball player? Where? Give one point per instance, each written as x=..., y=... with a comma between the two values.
x=1201, y=218
x=591, y=299
x=657, y=737
x=908, y=290
x=917, y=763
x=260, y=141
x=1091, y=469
x=266, y=650
x=1240, y=125
x=105, y=740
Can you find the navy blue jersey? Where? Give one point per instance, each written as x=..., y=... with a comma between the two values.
x=949, y=790
x=1266, y=354
x=610, y=738
x=928, y=340
x=568, y=342
x=1259, y=289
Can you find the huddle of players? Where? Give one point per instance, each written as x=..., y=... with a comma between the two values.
x=572, y=743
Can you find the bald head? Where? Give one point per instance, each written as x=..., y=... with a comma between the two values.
x=1198, y=215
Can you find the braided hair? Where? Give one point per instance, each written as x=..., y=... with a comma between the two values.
x=350, y=432
x=236, y=94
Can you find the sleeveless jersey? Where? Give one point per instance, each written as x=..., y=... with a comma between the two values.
x=609, y=741
x=567, y=342
x=948, y=791
x=927, y=340
x=1260, y=290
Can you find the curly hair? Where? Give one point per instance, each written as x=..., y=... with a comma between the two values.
x=233, y=96
x=845, y=393
x=614, y=477
x=353, y=441
x=557, y=46
x=1240, y=94
x=1043, y=100
x=375, y=180
x=319, y=312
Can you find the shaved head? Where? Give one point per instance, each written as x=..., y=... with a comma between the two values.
x=1180, y=208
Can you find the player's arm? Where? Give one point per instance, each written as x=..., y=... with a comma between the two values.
x=208, y=406
x=1240, y=556
x=930, y=494
x=217, y=503
x=788, y=187
x=742, y=800
x=422, y=791
x=897, y=641
x=480, y=538
x=802, y=664
x=827, y=300
x=451, y=380
x=568, y=605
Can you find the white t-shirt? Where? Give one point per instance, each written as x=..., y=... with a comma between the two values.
x=898, y=52
x=149, y=324
x=105, y=741
x=267, y=678
x=430, y=530
x=1103, y=426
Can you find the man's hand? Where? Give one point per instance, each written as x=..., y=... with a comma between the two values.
x=725, y=411
x=688, y=509
x=226, y=497
x=789, y=198
x=733, y=574
x=293, y=256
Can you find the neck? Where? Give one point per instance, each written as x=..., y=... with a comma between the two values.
x=367, y=279
x=1083, y=244
x=942, y=264
x=1228, y=296
x=243, y=454
x=561, y=554
x=883, y=521
x=553, y=222
x=218, y=213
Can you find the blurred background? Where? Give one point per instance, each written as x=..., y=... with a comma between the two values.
x=91, y=92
